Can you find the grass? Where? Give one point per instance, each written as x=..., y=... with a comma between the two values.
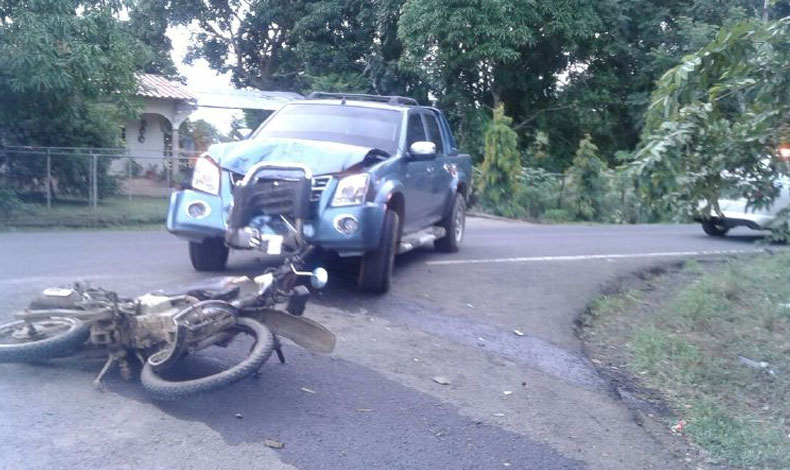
x=111, y=212
x=688, y=350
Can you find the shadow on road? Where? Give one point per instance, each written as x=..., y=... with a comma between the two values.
x=342, y=272
x=743, y=238
x=360, y=418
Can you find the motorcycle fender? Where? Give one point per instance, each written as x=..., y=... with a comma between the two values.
x=304, y=332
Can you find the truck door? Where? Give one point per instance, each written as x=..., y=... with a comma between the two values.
x=442, y=177
x=419, y=177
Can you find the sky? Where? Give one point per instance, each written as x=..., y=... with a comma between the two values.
x=200, y=77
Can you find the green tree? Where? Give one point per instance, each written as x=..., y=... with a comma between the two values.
x=202, y=133
x=148, y=22
x=499, y=185
x=62, y=74
x=608, y=85
x=300, y=45
x=66, y=79
x=383, y=64
x=716, y=121
x=475, y=53
x=588, y=181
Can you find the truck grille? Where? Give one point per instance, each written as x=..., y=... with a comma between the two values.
x=320, y=183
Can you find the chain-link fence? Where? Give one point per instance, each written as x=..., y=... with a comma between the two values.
x=61, y=186
x=66, y=186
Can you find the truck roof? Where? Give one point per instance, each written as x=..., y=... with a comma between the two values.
x=357, y=103
x=357, y=99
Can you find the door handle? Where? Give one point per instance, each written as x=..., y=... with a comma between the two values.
x=430, y=170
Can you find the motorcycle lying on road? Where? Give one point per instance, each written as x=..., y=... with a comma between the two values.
x=162, y=328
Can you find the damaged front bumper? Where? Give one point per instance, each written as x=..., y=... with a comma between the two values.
x=196, y=216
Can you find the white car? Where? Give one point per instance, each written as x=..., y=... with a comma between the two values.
x=736, y=212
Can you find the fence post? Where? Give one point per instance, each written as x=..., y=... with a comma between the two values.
x=90, y=177
x=129, y=179
x=95, y=166
x=49, y=180
x=95, y=181
x=562, y=192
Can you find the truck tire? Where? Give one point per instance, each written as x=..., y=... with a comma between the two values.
x=714, y=229
x=454, y=225
x=375, y=271
x=58, y=336
x=209, y=255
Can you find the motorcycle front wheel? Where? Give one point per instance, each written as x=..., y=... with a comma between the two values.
x=164, y=388
x=37, y=340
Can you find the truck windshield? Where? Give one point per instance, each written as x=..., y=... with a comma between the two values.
x=346, y=124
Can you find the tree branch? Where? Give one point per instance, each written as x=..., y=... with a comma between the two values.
x=539, y=112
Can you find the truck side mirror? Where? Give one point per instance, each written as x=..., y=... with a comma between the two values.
x=422, y=149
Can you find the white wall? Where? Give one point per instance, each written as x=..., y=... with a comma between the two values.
x=151, y=150
x=149, y=154
x=153, y=137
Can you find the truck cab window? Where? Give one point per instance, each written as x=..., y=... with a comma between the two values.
x=415, y=131
x=435, y=133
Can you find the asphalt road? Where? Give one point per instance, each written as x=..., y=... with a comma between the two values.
x=529, y=401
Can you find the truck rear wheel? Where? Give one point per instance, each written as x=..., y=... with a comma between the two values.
x=209, y=255
x=375, y=271
x=454, y=225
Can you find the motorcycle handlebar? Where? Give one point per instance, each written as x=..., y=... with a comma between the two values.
x=279, y=275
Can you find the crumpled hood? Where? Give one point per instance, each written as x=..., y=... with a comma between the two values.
x=320, y=157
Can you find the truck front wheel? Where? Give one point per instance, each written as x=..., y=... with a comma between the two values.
x=375, y=271
x=209, y=255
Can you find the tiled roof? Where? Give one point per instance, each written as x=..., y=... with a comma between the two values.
x=157, y=86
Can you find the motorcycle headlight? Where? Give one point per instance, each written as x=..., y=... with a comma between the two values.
x=351, y=190
x=206, y=176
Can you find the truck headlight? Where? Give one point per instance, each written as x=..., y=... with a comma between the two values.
x=206, y=176
x=351, y=190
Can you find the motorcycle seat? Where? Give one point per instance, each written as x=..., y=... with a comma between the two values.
x=226, y=294
x=209, y=289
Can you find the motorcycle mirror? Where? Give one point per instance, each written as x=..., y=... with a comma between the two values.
x=319, y=278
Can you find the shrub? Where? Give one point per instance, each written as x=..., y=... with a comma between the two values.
x=588, y=182
x=621, y=204
x=557, y=216
x=540, y=191
x=9, y=202
x=499, y=184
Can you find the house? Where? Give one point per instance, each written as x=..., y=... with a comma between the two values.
x=153, y=136
x=152, y=140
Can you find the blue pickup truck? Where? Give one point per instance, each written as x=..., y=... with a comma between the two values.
x=386, y=177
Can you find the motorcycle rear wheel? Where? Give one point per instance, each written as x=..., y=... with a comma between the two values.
x=31, y=341
x=161, y=388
